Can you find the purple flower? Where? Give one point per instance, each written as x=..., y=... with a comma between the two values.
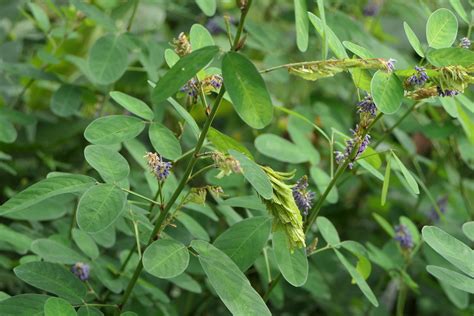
x=447, y=92
x=158, y=166
x=81, y=270
x=371, y=9
x=216, y=81
x=191, y=88
x=403, y=236
x=350, y=145
x=302, y=196
x=419, y=78
x=442, y=204
x=367, y=105
x=391, y=64
x=465, y=43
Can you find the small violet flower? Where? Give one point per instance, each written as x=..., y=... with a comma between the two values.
x=350, y=145
x=81, y=270
x=191, y=88
x=419, y=78
x=158, y=166
x=442, y=205
x=367, y=105
x=403, y=236
x=391, y=64
x=447, y=92
x=465, y=43
x=302, y=196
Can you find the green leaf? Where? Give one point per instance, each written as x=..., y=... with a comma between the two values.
x=108, y=59
x=384, y=224
x=334, y=43
x=441, y=28
x=86, y=243
x=414, y=232
x=186, y=282
x=48, y=209
x=186, y=68
x=451, y=56
x=53, y=278
x=207, y=6
x=23, y=305
x=40, y=16
x=301, y=24
x=166, y=258
x=327, y=230
x=453, y=278
x=93, y=13
x=450, y=248
x=100, y=207
x=111, y=165
x=19, y=241
x=164, y=141
x=244, y=241
x=89, y=311
x=254, y=175
x=113, y=129
x=230, y=284
x=386, y=182
x=387, y=91
x=66, y=100
x=134, y=105
x=53, y=251
x=45, y=189
x=358, y=50
x=358, y=278
x=223, y=143
x=322, y=180
x=410, y=180
x=193, y=226
x=186, y=117
x=8, y=132
x=279, y=148
x=247, y=90
x=468, y=230
x=293, y=265
x=200, y=37
x=171, y=59
x=413, y=39
x=457, y=6
x=55, y=306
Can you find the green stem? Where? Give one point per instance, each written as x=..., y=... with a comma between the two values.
x=402, y=295
x=204, y=169
x=141, y=196
x=132, y=17
x=266, y=296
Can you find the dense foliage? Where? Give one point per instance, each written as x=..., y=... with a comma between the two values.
x=247, y=157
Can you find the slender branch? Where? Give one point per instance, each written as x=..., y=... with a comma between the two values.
x=266, y=296
x=203, y=169
x=132, y=17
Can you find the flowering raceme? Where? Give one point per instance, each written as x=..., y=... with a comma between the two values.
x=159, y=167
x=403, y=236
x=303, y=197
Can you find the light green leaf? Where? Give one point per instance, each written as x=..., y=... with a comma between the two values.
x=186, y=282
x=100, y=207
x=40, y=16
x=247, y=90
x=279, y=148
x=254, y=175
x=186, y=117
x=453, y=278
x=327, y=230
x=66, y=100
x=358, y=278
x=108, y=59
x=53, y=278
x=410, y=180
x=451, y=56
x=19, y=241
x=200, y=37
x=223, y=142
x=111, y=165
x=384, y=224
x=457, y=6
x=86, y=243
x=45, y=189
x=164, y=141
x=134, y=105
x=293, y=265
x=301, y=24
x=386, y=182
x=358, y=50
x=171, y=59
x=468, y=230
x=229, y=282
x=207, y=6
x=243, y=241
x=23, y=305
x=56, y=306
x=166, y=258
x=53, y=251
x=413, y=39
x=387, y=91
x=8, y=133
x=441, y=28
x=113, y=129
x=186, y=68
x=322, y=180
x=334, y=43
x=450, y=248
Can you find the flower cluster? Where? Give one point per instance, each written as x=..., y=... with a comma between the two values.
x=158, y=166
x=419, y=78
x=81, y=270
x=357, y=140
x=303, y=197
x=227, y=164
x=390, y=64
x=182, y=46
x=403, y=236
x=465, y=43
x=446, y=92
x=371, y=9
x=208, y=84
x=442, y=205
x=191, y=88
x=367, y=105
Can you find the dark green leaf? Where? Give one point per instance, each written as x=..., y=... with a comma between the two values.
x=111, y=165
x=134, y=105
x=56, y=306
x=164, y=141
x=279, y=148
x=53, y=251
x=441, y=28
x=113, y=129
